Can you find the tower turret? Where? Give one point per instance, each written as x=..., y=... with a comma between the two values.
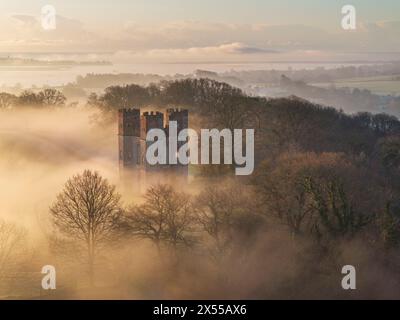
x=129, y=122
x=151, y=120
x=129, y=138
x=181, y=116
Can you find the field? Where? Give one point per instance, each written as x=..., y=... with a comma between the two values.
x=379, y=85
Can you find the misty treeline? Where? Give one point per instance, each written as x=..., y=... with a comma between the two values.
x=48, y=97
x=88, y=217
x=243, y=78
x=315, y=75
x=325, y=193
x=326, y=185
x=279, y=123
x=348, y=99
x=304, y=215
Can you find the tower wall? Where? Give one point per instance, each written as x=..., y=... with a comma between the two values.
x=129, y=122
x=181, y=116
x=132, y=131
x=130, y=150
x=150, y=120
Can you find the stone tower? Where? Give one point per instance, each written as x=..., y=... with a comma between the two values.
x=181, y=116
x=129, y=138
x=132, y=131
x=151, y=120
x=148, y=121
x=131, y=147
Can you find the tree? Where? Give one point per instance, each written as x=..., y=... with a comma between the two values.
x=51, y=97
x=29, y=99
x=117, y=97
x=226, y=214
x=388, y=150
x=336, y=216
x=93, y=100
x=389, y=225
x=166, y=217
x=321, y=194
x=7, y=100
x=88, y=211
x=382, y=124
x=220, y=103
x=280, y=184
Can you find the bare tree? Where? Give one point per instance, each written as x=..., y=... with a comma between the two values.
x=7, y=100
x=225, y=212
x=165, y=217
x=88, y=211
x=12, y=245
x=29, y=99
x=52, y=97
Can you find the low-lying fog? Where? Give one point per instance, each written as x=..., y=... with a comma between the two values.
x=41, y=149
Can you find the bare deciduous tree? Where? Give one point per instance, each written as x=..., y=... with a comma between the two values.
x=7, y=100
x=88, y=211
x=165, y=217
x=225, y=212
x=52, y=97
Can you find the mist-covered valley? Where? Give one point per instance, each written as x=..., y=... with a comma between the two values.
x=324, y=194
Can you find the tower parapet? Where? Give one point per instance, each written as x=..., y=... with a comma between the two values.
x=130, y=146
x=181, y=116
x=151, y=120
x=129, y=122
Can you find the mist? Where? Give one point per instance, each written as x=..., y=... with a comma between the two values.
x=41, y=149
x=44, y=147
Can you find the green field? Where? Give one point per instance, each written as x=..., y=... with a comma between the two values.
x=378, y=85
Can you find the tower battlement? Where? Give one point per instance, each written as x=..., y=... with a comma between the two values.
x=129, y=122
x=151, y=120
x=181, y=116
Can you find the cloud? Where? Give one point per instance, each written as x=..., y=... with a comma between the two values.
x=228, y=52
x=240, y=48
x=196, y=40
x=25, y=33
x=199, y=34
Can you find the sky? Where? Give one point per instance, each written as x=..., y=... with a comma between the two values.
x=188, y=30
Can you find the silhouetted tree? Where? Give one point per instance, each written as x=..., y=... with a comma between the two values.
x=117, y=97
x=88, y=211
x=389, y=225
x=321, y=194
x=166, y=217
x=336, y=216
x=51, y=97
x=29, y=99
x=389, y=152
x=7, y=100
x=227, y=214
